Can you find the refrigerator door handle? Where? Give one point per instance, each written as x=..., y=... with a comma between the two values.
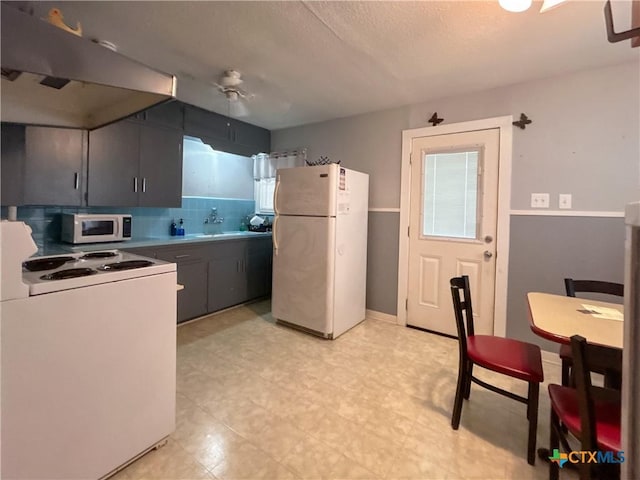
x=274, y=232
x=275, y=197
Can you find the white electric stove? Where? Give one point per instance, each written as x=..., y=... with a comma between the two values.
x=88, y=359
x=63, y=272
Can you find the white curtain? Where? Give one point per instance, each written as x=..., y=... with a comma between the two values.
x=265, y=165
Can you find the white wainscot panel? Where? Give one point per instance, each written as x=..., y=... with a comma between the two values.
x=429, y=280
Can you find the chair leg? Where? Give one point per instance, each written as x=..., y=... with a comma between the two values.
x=532, y=415
x=467, y=387
x=460, y=388
x=566, y=367
x=554, y=442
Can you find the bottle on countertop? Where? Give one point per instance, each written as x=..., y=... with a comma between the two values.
x=180, y=229
x=173, y=230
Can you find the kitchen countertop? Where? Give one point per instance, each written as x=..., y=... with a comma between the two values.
x=152, y=242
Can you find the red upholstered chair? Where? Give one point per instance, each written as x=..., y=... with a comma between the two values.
x=591, y=414
x=510, y=357
x=587, y=286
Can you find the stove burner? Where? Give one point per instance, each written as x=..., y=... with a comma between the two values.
x=91, y=255
x=41, y=264
x=68, y=273
x=126, y=265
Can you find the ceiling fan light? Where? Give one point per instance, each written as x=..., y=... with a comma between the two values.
x=232, y=95
x=515, y=6
x=549, y=4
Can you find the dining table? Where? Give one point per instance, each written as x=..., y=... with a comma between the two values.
x=558, y=318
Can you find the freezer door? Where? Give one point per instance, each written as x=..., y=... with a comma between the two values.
x=303, y=272
x=309, y=191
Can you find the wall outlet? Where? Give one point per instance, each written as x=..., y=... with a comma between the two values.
x=539, y=200
x=564, y=200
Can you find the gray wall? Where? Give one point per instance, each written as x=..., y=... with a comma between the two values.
x=584, y=140
x=545, y=250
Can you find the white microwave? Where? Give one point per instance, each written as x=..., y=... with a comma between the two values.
x=90, y=228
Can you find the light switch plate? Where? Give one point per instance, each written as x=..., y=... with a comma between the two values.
x=539, y=200
x=564, y=200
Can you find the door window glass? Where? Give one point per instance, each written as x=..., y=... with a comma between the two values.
x=450, y=194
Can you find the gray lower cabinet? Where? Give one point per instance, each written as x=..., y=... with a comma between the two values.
x=227, y=278
x=191, y=261
x=217, y=275
x=258, y=268
x=133, y=164
x=227, y=283
x=192, y=300
x=43, y=165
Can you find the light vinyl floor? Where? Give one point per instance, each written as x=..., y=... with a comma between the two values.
x=256, y=400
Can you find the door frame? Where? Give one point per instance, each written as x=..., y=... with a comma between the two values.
x=504, y=207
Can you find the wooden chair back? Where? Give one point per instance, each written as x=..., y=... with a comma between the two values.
x=592, y=286
x=587, y=358
x=461, y=294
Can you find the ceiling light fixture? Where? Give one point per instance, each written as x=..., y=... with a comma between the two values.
x=515, y=6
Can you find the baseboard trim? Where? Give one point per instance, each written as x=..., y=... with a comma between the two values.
x=384, y=317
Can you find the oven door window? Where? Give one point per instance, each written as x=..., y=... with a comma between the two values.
x=92, y=228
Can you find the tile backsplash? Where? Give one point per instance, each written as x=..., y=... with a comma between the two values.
x=147, y=222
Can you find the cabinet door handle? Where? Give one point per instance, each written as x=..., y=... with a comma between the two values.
x=181, y=256
x=76, y=181
x=144, y=184
x=135, y=184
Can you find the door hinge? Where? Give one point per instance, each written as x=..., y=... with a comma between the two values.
x=408, y=231
x=406, y=304
x=410, y=158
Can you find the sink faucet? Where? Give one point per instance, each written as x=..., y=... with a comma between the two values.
x=213, y=217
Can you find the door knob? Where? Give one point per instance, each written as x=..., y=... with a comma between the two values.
x=488, y=254
x=488, y=239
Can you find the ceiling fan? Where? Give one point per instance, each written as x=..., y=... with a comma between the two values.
x=229, y=85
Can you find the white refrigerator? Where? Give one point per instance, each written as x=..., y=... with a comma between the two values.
x=320, y=248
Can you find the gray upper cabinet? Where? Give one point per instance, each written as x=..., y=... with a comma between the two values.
x=169, y=115
x=251, y=136
x=133, y=164
x=56, y=159
x=114, y=153
x=43, y=165
x=160, y=167
x=224, y=133
x=12, y=167
x=206, y=125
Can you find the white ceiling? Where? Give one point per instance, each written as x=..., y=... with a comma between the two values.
x=308, y=61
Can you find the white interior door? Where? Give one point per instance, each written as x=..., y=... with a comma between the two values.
x=452, y=227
